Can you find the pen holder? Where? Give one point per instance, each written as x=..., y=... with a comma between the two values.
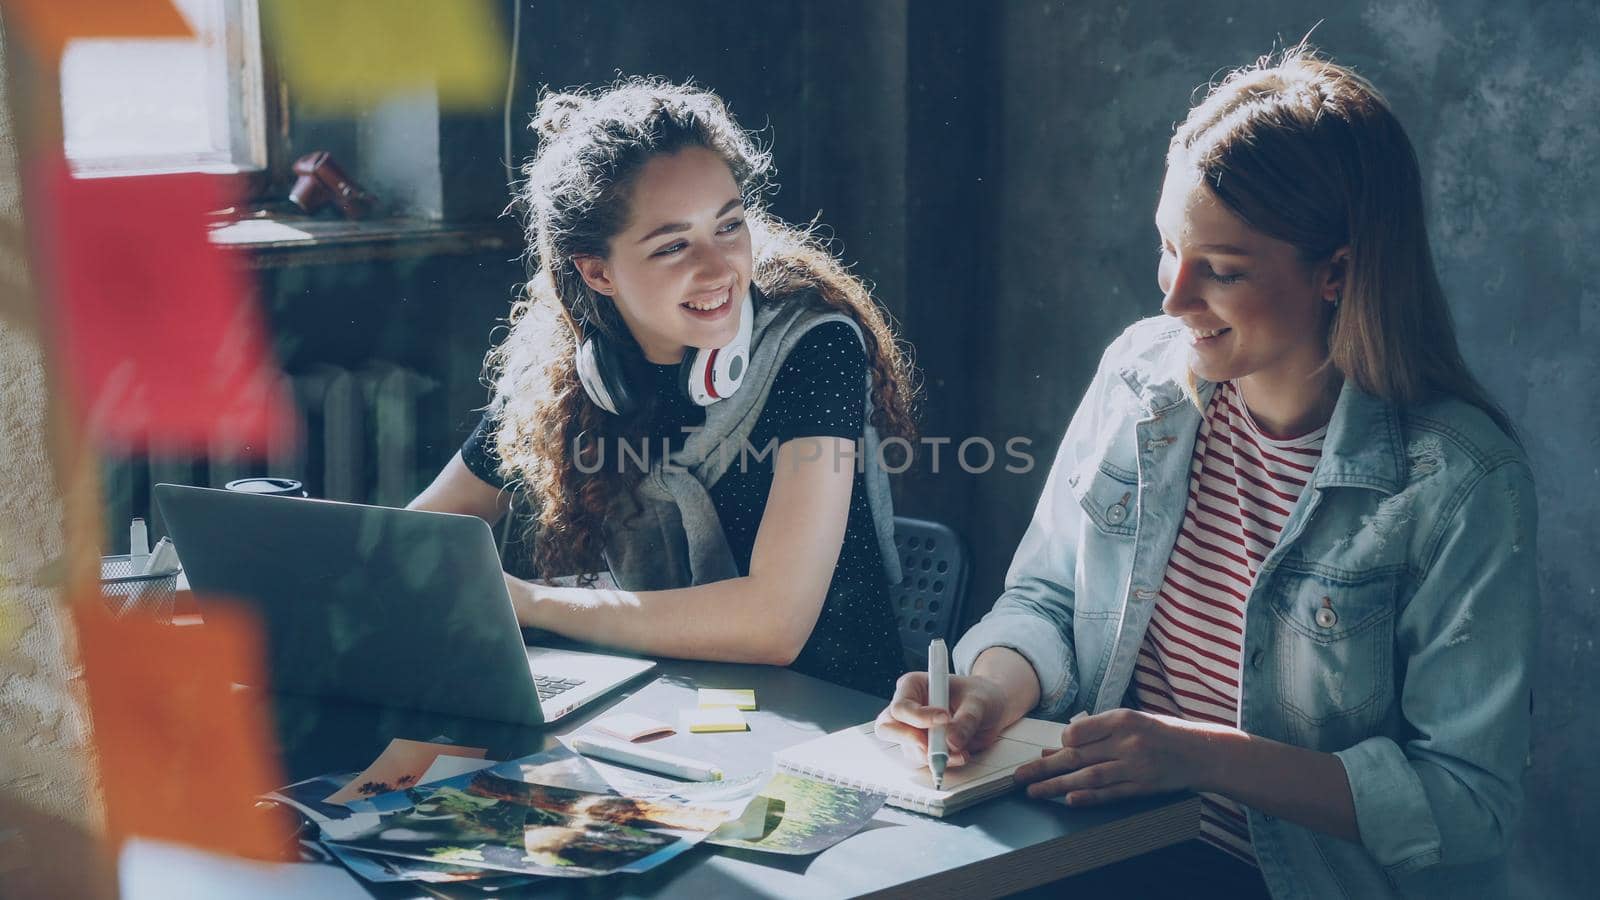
x=125, y=592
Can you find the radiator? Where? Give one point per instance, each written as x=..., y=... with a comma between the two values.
x=358, y=441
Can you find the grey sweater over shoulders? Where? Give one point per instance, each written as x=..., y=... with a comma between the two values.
x=674, y=538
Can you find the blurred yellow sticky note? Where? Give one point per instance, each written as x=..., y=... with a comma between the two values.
x=724, y=718
x=712, y=698
x=355, y=52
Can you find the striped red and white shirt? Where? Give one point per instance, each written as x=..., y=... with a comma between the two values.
x=1242, y=487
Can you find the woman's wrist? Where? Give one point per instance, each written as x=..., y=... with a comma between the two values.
x=524, y=601
x=1307, y=787
x=1013, y=677
x=1215, y=756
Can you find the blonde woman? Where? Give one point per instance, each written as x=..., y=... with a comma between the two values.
x=1285, y=556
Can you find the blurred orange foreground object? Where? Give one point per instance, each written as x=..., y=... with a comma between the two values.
x=183, y=754
x=157, y=329
x=49, y=24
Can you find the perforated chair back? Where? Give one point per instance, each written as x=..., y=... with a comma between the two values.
x=929, y=598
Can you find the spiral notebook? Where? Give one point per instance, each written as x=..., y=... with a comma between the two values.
x=858, y=758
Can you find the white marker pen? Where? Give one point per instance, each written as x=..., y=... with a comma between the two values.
x=163, y=559
x=938, y=698
x=138, y=546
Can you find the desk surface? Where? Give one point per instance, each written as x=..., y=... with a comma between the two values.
x=996, y=847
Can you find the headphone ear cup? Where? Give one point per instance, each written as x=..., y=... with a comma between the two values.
x=692, y=376
x=709, y=375
x=604, y=377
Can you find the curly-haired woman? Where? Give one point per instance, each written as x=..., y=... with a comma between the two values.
x=692, y=394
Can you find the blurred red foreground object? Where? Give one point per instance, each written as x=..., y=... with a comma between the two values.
x=157, y=329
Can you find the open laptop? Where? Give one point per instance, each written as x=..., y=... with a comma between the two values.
x=390, y=606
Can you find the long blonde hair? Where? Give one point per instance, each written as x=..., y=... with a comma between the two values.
x=1308, y=152
x=574, y=199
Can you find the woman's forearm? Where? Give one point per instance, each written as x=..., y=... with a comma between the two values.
x=1015, y=676
x=764, y=617
x=737, y=620
x=1306, y=787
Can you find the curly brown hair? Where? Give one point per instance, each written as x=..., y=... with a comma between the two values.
x=574, y=198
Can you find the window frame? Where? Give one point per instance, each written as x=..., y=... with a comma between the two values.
x=257, y=135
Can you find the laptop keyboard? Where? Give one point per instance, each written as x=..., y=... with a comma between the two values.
x=550, y=686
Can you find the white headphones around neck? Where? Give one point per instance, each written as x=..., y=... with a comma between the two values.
x=705, y=376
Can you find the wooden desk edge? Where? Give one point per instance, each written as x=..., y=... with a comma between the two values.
x=1061, y=857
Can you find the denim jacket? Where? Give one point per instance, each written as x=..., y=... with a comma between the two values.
x=1416, y=529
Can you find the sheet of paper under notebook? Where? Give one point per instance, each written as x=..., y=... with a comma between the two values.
x=631, y=726
x=713, y=698
x=724, y=718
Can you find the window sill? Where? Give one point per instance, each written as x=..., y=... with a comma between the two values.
x=140, y=168
x=272, y=243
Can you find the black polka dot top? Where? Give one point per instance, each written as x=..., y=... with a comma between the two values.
x=817, y=393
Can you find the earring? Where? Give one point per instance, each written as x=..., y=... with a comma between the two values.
x=1338, y=298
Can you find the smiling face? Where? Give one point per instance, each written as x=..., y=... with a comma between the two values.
x=1256, y=312
x=679, y=268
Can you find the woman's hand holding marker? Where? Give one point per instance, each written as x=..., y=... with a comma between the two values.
x=976, y=716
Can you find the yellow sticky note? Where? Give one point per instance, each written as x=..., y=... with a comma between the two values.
x=712, y=698
x=354, y=52
x=724, y=718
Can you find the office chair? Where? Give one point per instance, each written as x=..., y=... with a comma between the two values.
x=929, y=598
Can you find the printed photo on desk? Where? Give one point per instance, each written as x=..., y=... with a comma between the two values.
x=786, y=814
x=402, y=764
x=382, y=869
x=309, y=797
x=495, y=819
x=805, y=816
